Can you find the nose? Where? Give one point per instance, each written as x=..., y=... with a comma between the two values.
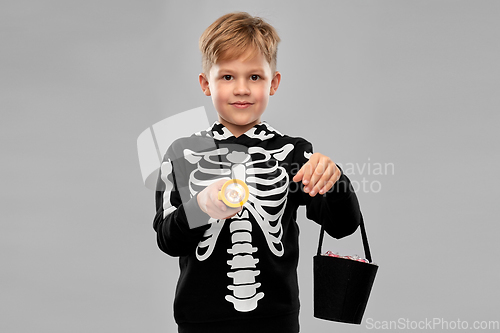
x=241, y=88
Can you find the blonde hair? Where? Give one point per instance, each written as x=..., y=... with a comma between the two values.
x=233, y=35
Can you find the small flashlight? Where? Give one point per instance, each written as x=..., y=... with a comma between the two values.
x=234, y=193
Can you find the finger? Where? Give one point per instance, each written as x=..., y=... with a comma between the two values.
x=335, y=177
x=308, y=170
x=318, y=174
x=298, y=176
x=219, y=204
x=233, y=214
x=327, y=187
x=235, y=210
x=228, y=217
x=320, y=178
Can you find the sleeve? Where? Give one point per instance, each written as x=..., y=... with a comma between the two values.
x=176, y=234
x=338, y=209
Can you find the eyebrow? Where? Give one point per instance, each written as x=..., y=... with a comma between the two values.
x=253, y=70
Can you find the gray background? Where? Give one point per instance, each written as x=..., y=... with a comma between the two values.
x=412, y=83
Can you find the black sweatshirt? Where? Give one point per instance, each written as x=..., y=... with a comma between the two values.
x=243, y=269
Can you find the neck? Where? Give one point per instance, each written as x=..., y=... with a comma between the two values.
x=238, y=130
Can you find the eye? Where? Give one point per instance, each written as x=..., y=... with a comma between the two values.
x=227, y=77
x=255, y=77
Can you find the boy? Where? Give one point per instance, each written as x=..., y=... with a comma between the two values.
x=238, y=266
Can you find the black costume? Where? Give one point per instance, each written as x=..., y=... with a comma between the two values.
x=241, y=273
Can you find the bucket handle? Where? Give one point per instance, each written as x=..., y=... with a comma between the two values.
x=363, y=236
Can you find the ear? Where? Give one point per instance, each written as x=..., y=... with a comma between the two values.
x=204, y=84
x=275, y=82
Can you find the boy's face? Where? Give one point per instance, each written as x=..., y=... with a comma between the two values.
x=240, y=90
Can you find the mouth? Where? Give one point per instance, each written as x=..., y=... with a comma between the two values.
x=241, y=105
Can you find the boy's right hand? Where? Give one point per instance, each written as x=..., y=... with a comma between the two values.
x=209, y=202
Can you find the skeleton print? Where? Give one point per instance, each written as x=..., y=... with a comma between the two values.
x=243, y=267
x=268, y=185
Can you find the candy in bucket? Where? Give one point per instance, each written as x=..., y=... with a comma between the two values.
x=337, y=255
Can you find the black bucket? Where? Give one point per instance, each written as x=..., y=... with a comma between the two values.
x=342, y=286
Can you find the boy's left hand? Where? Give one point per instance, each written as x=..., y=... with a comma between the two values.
x=318, y=175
